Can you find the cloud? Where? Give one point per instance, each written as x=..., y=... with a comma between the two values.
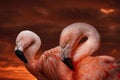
x=49, y=12
x=107, y=11
x=15, y=73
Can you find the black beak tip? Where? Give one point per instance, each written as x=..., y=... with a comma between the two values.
x=68, y=62
x=21, y=56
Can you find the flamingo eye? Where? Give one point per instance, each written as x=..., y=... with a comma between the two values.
x=83, y=40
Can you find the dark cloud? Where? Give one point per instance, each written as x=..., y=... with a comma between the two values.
x=45, y=11
x=75, y=13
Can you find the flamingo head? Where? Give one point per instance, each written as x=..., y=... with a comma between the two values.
x=69, y=39
x=22, y=42
x=79, y=38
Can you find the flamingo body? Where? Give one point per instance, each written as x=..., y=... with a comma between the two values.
x=51, y=64
x=98, y=68
x=92, y=68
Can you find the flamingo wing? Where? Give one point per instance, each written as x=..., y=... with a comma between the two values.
x=98, y=68
x=113, y=70
x=48, y=64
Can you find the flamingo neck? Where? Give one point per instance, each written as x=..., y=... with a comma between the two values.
x=89, y=46
x=30, y=55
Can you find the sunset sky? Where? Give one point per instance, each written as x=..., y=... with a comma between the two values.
x=47, y=18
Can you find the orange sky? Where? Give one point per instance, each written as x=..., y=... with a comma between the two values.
x=47, y=19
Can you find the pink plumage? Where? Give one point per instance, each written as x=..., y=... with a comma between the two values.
x=72, y=59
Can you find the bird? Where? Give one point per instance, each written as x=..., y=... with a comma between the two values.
x=44, y=68
x=72, y=59
x=78, y=42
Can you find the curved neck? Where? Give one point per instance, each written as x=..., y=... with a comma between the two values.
x=89, y=46
x=30, y=54
x=31, y=51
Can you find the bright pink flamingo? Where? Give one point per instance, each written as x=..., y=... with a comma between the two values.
x=71, y=60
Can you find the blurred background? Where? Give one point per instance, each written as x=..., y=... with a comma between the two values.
x=47, y=18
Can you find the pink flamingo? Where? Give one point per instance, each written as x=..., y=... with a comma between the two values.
x=71, y=60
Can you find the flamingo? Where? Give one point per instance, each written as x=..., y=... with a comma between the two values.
x=72, y=59
x=27, y=45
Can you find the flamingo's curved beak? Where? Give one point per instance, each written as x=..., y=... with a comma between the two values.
x=19, y=53
x=66, y=56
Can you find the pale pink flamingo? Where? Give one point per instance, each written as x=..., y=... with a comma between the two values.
x=71, y=60
x=45, y=68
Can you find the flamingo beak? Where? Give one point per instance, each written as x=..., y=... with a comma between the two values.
x=19, y=53
x=66, y=57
